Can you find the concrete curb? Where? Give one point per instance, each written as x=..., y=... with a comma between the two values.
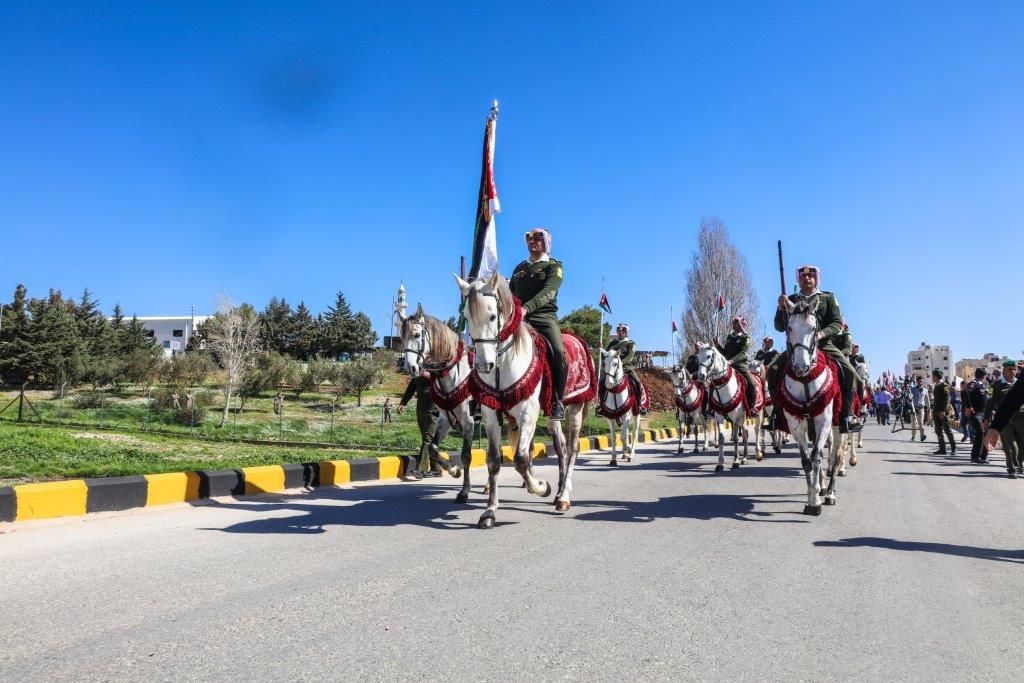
x=104, y=494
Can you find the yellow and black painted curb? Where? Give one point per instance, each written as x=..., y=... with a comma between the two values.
x=104, y=494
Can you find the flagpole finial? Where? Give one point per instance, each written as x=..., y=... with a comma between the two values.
x=494, y=110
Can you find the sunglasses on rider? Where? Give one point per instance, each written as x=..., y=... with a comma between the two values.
x=537, y=235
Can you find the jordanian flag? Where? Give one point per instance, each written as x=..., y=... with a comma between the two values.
x=485, y=240
x=604, y=304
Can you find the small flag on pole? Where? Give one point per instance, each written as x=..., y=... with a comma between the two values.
x=604, y=304
x=721, y=302
x=675, y=328
x=485, y=240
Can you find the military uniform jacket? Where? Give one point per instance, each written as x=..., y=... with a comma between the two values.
x=941, y=399
x=856, y=358
x=536, y=284
x=998, y=391
x=973, y=396
x=735, y=348
x=420, y=387
x=691, y=364
x=627, y=352
x=830, y=320
x=766, y=357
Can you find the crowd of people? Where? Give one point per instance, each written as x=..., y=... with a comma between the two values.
x=974, y=405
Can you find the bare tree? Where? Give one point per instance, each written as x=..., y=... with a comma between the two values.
x=717, y=267
x=234, y=337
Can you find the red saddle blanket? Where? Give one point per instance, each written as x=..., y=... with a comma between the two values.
x=580, y=382
x=798, y=406
x=741, y=394
x=630, y=404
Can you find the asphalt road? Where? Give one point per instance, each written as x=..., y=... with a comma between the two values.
x=662, y=569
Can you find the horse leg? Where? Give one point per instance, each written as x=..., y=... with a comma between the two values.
x=560, y=444
x=449, y=466
x=487, y=519
x=611, y=442
x=721, y=444
x=574, y=418
x=834, y=456
x=634, y=437
x=854, y=445
x=523, y=456
x=838, y=468
x=682, y=431
x=466, y=420
x=739, y=426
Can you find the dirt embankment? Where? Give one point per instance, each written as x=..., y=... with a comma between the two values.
x=659, y=386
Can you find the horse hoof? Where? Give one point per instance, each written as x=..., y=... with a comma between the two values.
x=829, y=501
x=853, y=463
x=456, y=472
x=486, y=522
x=462, y=497
x=719, y=468
x=735, y=465
x=547, y=490
x=777, y=450
x=613, y=463
x=759, y=457
x=562, y=506
x=841, y=474
x=813, y=510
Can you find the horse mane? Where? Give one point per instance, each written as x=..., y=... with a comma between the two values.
x=475, y=308
x=443, y=340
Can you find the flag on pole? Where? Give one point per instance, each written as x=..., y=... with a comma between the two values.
x=485, y=240
x=721, y=302
x=675, y=328
x=604, y=304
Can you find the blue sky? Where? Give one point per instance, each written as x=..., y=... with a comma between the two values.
x=159, y=153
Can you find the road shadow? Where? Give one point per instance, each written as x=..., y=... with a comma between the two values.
x=370, y=506
x=965, y=474
x=974, y=552
x=703, y=507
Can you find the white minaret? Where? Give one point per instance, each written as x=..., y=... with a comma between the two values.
x=400, y=304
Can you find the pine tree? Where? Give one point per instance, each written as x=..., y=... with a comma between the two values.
x=275, y=327
x=141, y=358
x=360, y=336
x=15, y=346
x=336, y=334
x=302, y=333
x=58, y=354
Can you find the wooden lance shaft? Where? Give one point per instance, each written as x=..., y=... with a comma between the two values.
x=782, y=271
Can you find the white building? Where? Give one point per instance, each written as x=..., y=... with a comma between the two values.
x=172, y=332
x=929, y=357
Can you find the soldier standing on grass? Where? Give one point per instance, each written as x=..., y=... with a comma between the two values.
x=426, y=420
x=939, y=406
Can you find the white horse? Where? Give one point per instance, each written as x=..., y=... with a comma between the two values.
x=617, y=407
x=505, y=355
x=777, y=435
x=725, y=400
x=691, y=404
x=809, y=397
x=849, y=443
x=429, y=345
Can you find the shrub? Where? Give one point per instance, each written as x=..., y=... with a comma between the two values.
x=87, y=400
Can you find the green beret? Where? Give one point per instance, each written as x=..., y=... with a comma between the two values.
x=937, y=373
x=1009, y=363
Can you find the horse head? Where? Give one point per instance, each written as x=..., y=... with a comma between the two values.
x=709, y=362
x=415, y=341
x=802, y=333
x=680, y=377
x=611, y=368
x=488, y=307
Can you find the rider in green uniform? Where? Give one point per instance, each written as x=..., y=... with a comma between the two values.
x=735, y=349
x=627, y=355
x=535, y=283
x=830, y=324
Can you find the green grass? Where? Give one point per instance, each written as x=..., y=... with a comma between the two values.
x=30, y=453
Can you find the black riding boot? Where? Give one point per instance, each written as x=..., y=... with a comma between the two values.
x=847, y=422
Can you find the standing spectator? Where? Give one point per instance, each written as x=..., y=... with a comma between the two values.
x=974, y=406
x=278, y=403
x=387, y=409
x=939, y=407
x=918, y=394
x=954, y=398
x=997, y=391
x=1008, y=424
x=882, y=400
x=175, y=400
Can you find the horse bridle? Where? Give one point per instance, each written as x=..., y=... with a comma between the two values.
x=497, y=338
x=812, y=350
x=422, y=351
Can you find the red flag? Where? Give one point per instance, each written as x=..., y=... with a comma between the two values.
x=604, y=303
x=674, y=327
x=721, y=301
